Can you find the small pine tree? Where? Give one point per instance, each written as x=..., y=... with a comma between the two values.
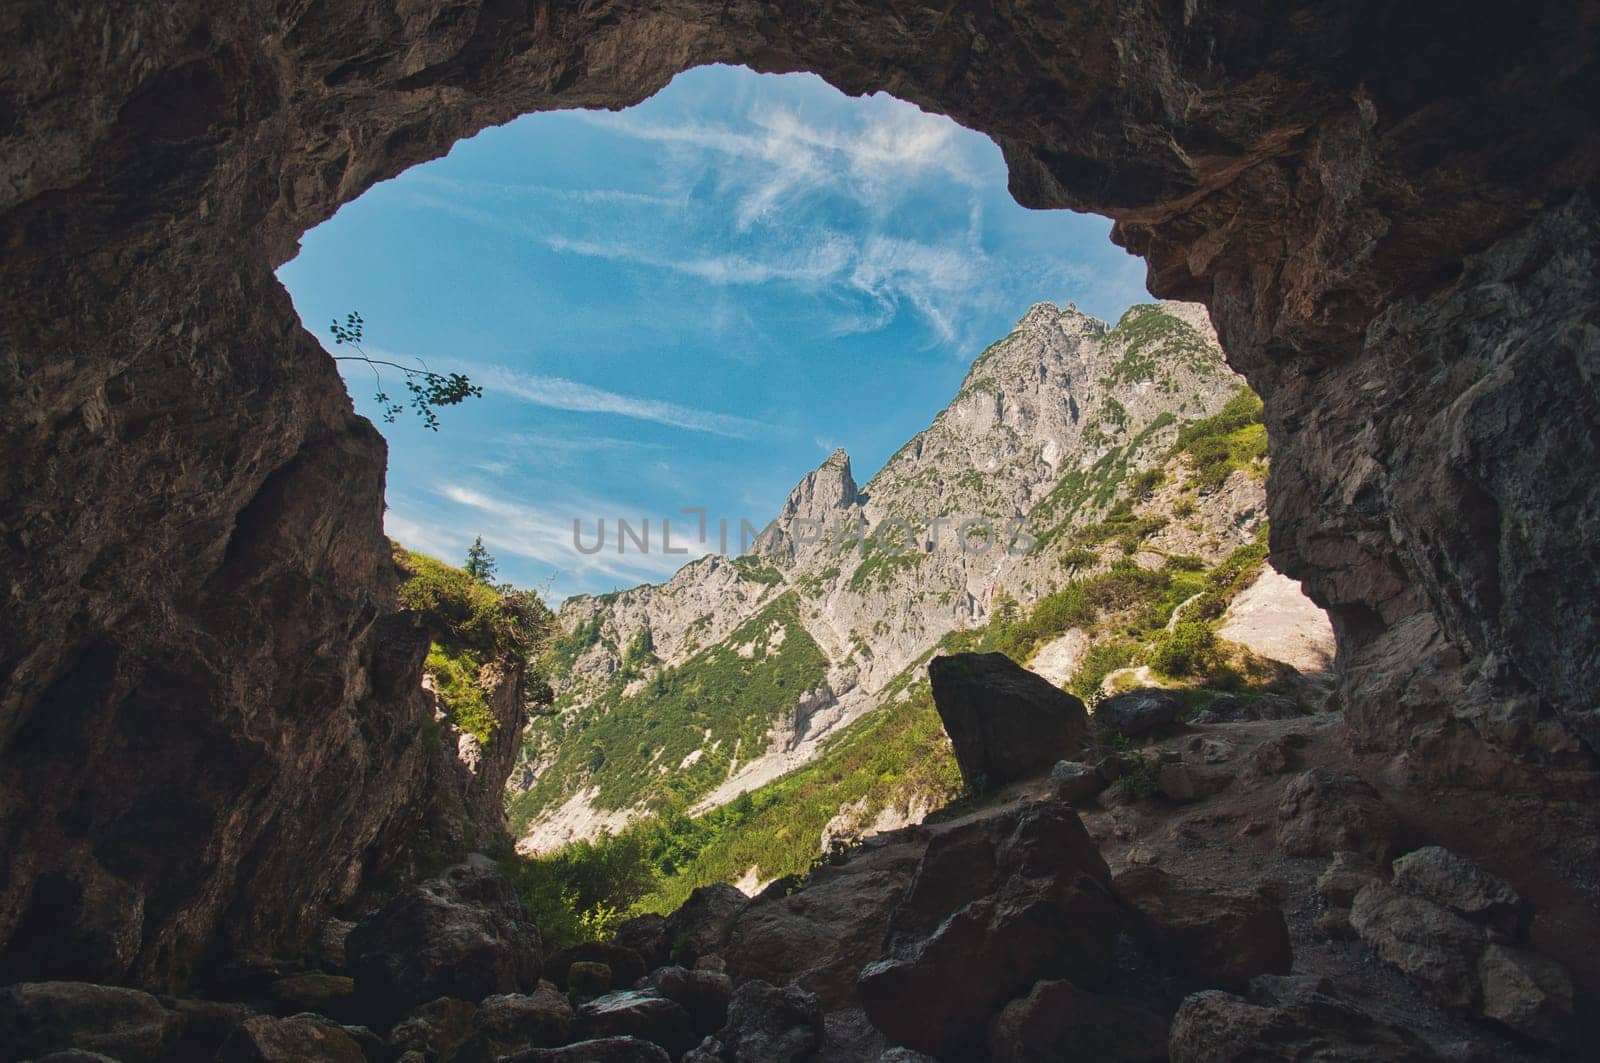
x=480, y=563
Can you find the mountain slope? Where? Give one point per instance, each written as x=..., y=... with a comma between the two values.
x=1010, y=492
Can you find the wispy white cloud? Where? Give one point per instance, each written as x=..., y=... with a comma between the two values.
x=544, y=534
x=476, y=189
x=559, y=393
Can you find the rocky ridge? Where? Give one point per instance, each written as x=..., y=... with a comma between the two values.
x=1048, y=426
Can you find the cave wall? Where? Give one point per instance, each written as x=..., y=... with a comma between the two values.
x=208, y=720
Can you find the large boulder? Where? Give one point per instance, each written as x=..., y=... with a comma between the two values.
x=460, y=935
x=37, y=1018
x=1427, y=942
x=638, y=1013
x=1005, y=722
x=771, y=1024
x=703, y=995
x=435, y=1029
x=997, y=904
x=626, y=965
x=1324, y=811
x=298, y=1039
x=541, y=1019
x=1138, y=712
x=646, y=935
x=1219, y=938
x=1529, y=993
x=1034, y=1028
x=1450, y=879
x=822, y=936
x=598, y=1050
x=1217, y=1027
x=700, y=927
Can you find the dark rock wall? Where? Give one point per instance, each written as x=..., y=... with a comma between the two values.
x=207, y=716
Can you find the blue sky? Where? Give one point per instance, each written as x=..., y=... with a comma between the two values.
x=686, y=304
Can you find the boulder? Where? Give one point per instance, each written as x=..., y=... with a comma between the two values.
x=298, y=1039
x=1219, y=1027
x=646, y=935
x=460, y=935
x=1324, y=811
x=332, y=995
x=1034, y=1028
x=541, y=1019
x=1219, y=938
x=700, y=927
x=599, y=1050
x=1229, y=708
x=1076, y=782
x=1450, y=879
x=1346, y=875
x=771, y=1024
x=820, y=937
x=1427, y=942
x=1138, y=712
x=703, y=994
x=37, y=1018
x=586, y=979
x=1531, y=994
x=626, y=965
x=1187, y=781
x=1005, y=722
x=997, y=904
x=641, y=1014
x=436, y=1029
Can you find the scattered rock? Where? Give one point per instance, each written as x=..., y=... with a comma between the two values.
x=1138, y=712
x=898, y=1054
x=771, y=1024
x=1334, y=925
x=460, y=935
x=299, y=1039
x=702, y=925
x=637, y=1013
x=1076, y=782
x=1323, y=812
x=707, y=1051
x=37, y=1018
x=626, y=965
x=1531, y=994
x=1219, y=938
x=1005, y=722
x=1054, y=1014
x=600, y=1050
x=996, y=905
x=1275, y=756
x=541, y=1019
x=1218, y=1027
x=703, y=994
x=1428, y=943
x=1451, y=880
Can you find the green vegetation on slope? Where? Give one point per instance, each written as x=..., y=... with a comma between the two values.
x=677, y=736
x=1235, y=438
x=474, y=624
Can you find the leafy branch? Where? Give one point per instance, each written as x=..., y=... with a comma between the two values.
x=428, y=389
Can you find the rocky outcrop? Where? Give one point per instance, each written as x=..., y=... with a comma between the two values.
x=206, y=712
x=1005, y=722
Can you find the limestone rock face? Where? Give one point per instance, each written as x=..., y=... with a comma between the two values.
x=1005, y=722
x=205, y=713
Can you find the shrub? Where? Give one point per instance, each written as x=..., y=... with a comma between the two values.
x=1189, y=649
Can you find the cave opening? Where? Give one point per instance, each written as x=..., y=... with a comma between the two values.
x=1391, y=216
